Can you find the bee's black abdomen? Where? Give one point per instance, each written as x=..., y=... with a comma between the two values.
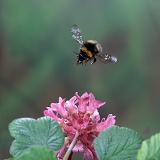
x=92, y=46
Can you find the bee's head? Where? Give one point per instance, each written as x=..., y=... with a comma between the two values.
x=80, y=58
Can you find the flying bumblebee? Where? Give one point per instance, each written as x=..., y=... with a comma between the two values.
x=89, y=49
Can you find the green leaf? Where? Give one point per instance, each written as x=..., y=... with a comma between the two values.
x=37, y=153
x=117, y=143
x=150, y=149
x=27, y=132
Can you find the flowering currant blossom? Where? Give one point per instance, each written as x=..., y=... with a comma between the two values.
x=79, y=118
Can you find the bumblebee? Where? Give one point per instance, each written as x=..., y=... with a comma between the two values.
x=90, y=49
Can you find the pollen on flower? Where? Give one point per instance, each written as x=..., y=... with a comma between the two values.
x=79, y=117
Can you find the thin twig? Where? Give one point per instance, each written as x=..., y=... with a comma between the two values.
x=71, y=147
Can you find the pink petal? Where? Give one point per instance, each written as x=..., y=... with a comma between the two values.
x=59, y=107
x=60, y=152
x=72, y=100
x=106, y=123
x=95, y=117
x=93, y=104
x=83, y=101
x=78, y=147
x=51, y=114
x=70, y=107
x=69, y=129
x=90, y=156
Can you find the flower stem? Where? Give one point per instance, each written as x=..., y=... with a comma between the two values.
x=71, y=147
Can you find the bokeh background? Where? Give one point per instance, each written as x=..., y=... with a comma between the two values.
x=37, y=60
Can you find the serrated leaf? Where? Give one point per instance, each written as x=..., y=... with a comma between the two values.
x=117, y=143
x=150, y=149
x=27, y=132
x=37, y=153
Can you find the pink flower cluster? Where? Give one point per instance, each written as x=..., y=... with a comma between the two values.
x=79, y=116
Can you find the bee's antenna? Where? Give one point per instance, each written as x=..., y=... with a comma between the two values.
x=75, y=52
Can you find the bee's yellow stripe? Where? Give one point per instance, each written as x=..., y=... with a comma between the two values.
x=91, y=41
x=89, y=53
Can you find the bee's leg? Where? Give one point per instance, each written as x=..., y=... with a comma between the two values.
x=94, y=60
x=85, y=61
x=76, y=64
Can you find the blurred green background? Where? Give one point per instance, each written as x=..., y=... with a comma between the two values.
x=37, y=59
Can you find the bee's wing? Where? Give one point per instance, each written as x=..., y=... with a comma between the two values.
x=76, y=34
x=105, y=58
